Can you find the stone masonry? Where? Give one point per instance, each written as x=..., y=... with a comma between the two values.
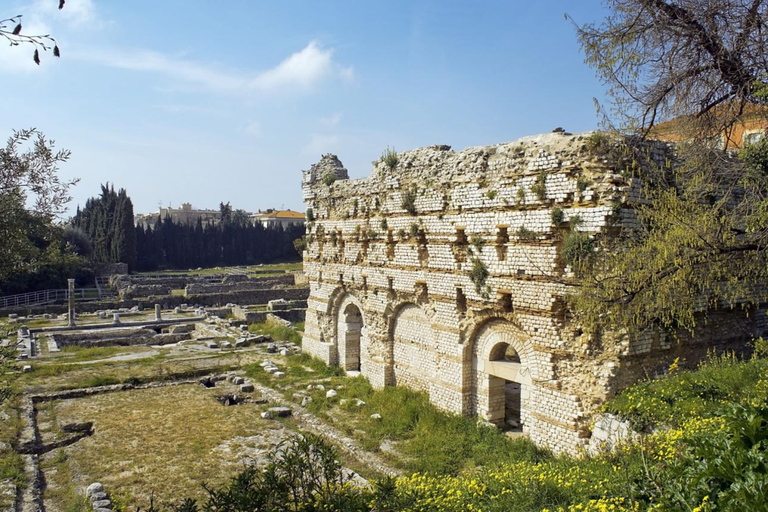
x=443, y=272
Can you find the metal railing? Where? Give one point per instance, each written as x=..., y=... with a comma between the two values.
x=47, y=297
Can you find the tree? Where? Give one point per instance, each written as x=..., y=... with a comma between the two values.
x=702, y=231
x=16, y=37
x=705, y=59
x=31, y=193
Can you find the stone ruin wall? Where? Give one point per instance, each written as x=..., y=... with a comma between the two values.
x=391, y=294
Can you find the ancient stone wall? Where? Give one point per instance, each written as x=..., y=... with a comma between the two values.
x=443, y=271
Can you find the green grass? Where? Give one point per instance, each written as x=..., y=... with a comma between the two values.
x=427, y=439
x=277, y=331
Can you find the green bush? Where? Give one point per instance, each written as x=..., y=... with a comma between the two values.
x=539, y=188
x=478, y=275
x=329, y=179
x=557, y=216
x=577, y=247
x=408, y=202
x=390, y=158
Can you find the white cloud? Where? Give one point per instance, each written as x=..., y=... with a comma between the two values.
x=75, y=12
x=319, y=144
x=253, y=128
x=332, y=120
x=303, y=70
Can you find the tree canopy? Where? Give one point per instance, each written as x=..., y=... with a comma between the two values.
x=705, y=59
x=702, y=231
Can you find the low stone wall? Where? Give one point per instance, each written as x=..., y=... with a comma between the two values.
x=610, y=432
x=121, y=336
x=259, y=283
x=253, y=316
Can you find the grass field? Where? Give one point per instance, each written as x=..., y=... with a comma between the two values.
x=167, y=441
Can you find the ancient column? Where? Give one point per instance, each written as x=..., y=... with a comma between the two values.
x=71, y=289
x=158, y=316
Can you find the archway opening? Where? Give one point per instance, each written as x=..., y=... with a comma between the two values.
x=505, y=388
x=350, y=328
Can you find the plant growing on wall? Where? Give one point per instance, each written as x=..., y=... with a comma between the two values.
x=557, y=215
x=408, y=202
x=540, y=187
x=328, y=179
x=310, y=215
x=390, y=158
x=478, y=274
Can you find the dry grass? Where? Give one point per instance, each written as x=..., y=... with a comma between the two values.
x=167, y=441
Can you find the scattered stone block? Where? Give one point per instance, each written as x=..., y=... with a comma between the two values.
x=284, y=352
x=266, y=415
x=271, y=348
x=102, y=504
x=226, y=344
x=279, y=374
x=281, y=412
x=306, y=401
x=376, y=416
x=213, y=344
x=238, y=380
x=247, y=388
x=330, y=393
x=359, y=403
x=26, y=369
x=94, y=488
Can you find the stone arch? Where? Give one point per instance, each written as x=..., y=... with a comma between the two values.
x=503, y=373
x=413, y=346
x=349, y=334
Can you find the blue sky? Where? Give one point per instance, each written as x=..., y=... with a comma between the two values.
x=180, y=101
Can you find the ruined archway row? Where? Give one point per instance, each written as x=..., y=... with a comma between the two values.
x=443, y=271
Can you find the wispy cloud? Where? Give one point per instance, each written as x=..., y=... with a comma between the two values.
x=253, y=128
x=331, y=120
x=321, y=143
x=302, y=71
x=41, y=17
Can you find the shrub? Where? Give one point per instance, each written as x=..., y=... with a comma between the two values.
x=328, y=179
x=557, y=216
x=310, y=215
x=539, y=188
x=390, y=158
x=477, y=241
x=384, y=224
x=409, y=201
x=599, y=144
x=413, y=230
x=524, y=233
x=582, y=183
x=520, y=195
x=491, y=194
x=478, y=275
x=577, y=247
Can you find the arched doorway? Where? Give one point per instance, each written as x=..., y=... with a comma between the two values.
x=349, y=330
x=502, y=380
x=505, y=388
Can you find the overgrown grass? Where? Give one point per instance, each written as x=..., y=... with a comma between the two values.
x=278, y=331
x=426, y=439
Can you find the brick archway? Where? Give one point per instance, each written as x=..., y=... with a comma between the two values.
x=503, y=362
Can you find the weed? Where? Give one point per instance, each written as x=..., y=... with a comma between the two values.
x=310, y=215
x=329, y=179
x=491, y=194
x=414, y=230
x=408, y=202
x=582, y=183
x=478, y=241
x=478, y=274
x=390, y=158
x=524, y=233
x=557, y=215
x=539, y=188
x=599, y=144
x=577, y=247
x=520, y=196
x=383, y=224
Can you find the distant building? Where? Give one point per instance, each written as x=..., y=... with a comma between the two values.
x=272, y=218
x=184, y=215
x=750, y=128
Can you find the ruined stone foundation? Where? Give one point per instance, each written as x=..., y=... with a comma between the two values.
x=442, y=271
